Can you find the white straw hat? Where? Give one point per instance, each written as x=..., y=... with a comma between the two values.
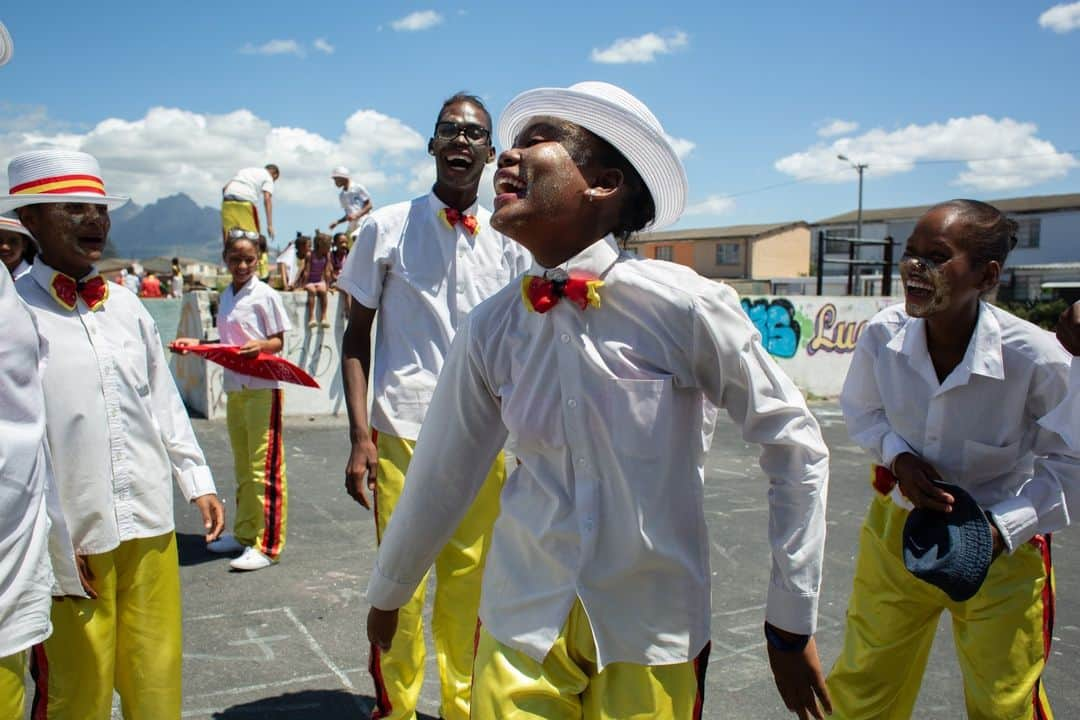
x=621, y=119
x=340, y=172
x=56, y=176
x=7, y=47
x=13, y=225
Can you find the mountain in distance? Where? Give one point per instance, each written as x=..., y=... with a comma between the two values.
x=171, y=226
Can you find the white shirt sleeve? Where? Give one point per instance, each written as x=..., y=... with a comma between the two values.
x=365, y=268
x=188, y=462
x=863, y=408
x=275, y=318
x=459, y=440
x=736, y=373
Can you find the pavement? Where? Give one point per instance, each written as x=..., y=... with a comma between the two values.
x=289, y=641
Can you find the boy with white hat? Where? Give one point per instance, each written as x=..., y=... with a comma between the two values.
x=354, y=199
x=118, y=433
x=599, y=367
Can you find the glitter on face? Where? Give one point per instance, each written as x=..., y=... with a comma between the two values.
x=927, y=276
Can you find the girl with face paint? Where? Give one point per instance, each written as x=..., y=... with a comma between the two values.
x=948, y=388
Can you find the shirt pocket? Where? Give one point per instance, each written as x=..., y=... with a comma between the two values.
x=983, y=461
x=639, y=413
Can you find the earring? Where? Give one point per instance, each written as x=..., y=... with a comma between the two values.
x=590, y=195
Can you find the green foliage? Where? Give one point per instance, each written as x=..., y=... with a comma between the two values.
x=1043, y=313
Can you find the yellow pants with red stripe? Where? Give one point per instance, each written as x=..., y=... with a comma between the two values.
x=566, y=686
x=254, y=418
x=12, y=692
x=1002, y=634
x=239, y=214
x=129, y=639
x=459, y=568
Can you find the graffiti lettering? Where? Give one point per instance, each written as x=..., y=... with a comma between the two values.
x=775, y=320
x=831, y=335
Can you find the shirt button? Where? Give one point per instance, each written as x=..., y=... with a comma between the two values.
x=565, y=337
x=572, y=402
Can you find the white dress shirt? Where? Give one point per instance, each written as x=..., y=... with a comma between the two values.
x=31, y=522
x=254, y=313
x=117, y=427
x=423, y=277
x=21, y=269
x=1065, y=418
x=353, y=199
x=605, y=408
x=249, y=184
x=983, y=428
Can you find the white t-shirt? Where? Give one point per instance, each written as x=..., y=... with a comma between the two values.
x=353, y=199
x=254, y=313
x=249, y=184
x=287, y=257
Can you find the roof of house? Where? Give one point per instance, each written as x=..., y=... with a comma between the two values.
x=712, y=233
x=1030, y=204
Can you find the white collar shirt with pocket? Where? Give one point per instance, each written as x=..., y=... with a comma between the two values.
x=254, y=313
x=424, y=278
x=983, y=428
x=605, y=408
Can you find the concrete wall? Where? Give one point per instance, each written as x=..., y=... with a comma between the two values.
x=315, y=350
x=785, y=254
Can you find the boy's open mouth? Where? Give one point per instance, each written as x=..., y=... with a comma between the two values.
x=918, y=289
x=459, y=160
x=509, y=187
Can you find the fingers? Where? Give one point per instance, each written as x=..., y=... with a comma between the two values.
x=354, y=485
x=821, y=690
x=86, y=575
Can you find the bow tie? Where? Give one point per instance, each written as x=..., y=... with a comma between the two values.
x=540, y=294
x=67, y=291
x=453, y=216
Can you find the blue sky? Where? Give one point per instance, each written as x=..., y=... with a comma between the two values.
x=172, y=98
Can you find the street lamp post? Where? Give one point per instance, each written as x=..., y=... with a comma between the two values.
x=859, y=167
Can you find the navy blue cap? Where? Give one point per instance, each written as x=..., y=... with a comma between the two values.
x=950, y=550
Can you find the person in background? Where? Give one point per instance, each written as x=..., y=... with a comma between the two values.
x=264, y=260
x=317, y=274
x=290, y=260
x=17, y=248
x=338, y=255
x=176, y=282
x=240, y=199
x=354, y=198
x=131, y=280
x=151, y=286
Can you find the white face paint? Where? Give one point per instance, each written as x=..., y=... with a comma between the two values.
x=926, y=286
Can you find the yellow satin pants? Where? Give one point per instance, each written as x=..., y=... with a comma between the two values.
x=459, y=568
x=12, y=691
x=254, y=418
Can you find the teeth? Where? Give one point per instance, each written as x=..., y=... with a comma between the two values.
x=916, y=285
x=509, y=184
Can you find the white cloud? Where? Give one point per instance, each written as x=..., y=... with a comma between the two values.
x=682, y=146
x=712, y=205
x=273, y=47
x=837, y=127
x=323, y=46
x=419, y=20
x=643, y=49
x=170, y=150
x=1061, y=18
x=1023, y=158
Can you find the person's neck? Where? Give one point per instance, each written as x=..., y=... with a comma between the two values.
x=77, y=272
x=238, y=286
x=949, y=332
x=460, y=199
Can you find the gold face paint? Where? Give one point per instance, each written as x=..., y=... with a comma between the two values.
x=926, y=286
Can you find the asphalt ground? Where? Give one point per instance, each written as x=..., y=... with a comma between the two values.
x=288, y=641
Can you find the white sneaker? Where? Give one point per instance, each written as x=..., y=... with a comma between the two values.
x=224, y=545
x=252, y=559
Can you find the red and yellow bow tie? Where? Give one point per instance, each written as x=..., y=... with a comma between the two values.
x=67, y=291
x=453, y=216
x=540, y=294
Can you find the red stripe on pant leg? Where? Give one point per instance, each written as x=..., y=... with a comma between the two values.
x=39, y=671
x=383, y=706
x=701, y=665
x=272, y=496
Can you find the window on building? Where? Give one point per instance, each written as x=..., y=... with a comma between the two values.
x=633, y=251
x=834, y=241
x=727, y=253
x=1027, y=232
x=664, y=252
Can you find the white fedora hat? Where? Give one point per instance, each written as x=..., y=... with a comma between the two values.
x=621, y=119
x=7, y=47
x=56, y=176
x=12, y=225
x=340, y=171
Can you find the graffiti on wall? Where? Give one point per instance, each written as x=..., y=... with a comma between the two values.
x=832, y=335
x=785, y=327
x=775, y=320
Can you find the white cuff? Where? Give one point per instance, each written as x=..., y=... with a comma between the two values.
x=357, y=293
x=790, y=611
x=893, y=445
x=386, y=593
x=1016, y=519
x=196, y=482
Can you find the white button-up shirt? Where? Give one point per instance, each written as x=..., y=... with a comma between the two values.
x=21, y=269
x=31, y=522
x=249, y=184
x=116, y=425
x=605, y=409
x=424, y=278
x=1065, y=419
x=983, y=428
x=353, y=199
x=254, y=313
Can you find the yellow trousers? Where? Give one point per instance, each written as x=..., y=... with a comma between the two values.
x=254, y=418
x=566, y=686
x=12, y=692
x=129, y=639
x=239, y=214
x=1002, y=634
x=459, y=569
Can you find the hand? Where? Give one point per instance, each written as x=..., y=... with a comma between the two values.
x=362, y=469
x=916, y=478
x=178, y=345
x=1068, y=328
x=250, y=349
x=86, y=575
x=381, y=626
x=270, y=231
x=798, y=678
x=333, y=225
x=213, y=515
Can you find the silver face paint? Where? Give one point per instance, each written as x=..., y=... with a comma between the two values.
x=925, y=272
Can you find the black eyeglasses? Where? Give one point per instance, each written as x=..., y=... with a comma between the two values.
x=446, y=130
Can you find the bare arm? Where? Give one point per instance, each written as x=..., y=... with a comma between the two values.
x=268, y=202
x=355, y=372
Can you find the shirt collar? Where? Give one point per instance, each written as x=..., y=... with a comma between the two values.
x=43, y=273
x=437, y=205
x=246, y=287
x=593, y=260
x=983, y=355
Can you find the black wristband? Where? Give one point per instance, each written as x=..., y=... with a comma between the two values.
x=779, y=643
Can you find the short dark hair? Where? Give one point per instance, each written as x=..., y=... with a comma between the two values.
x=460, y=97
x=988, y=233
x=231, y=241
x=271, y=167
